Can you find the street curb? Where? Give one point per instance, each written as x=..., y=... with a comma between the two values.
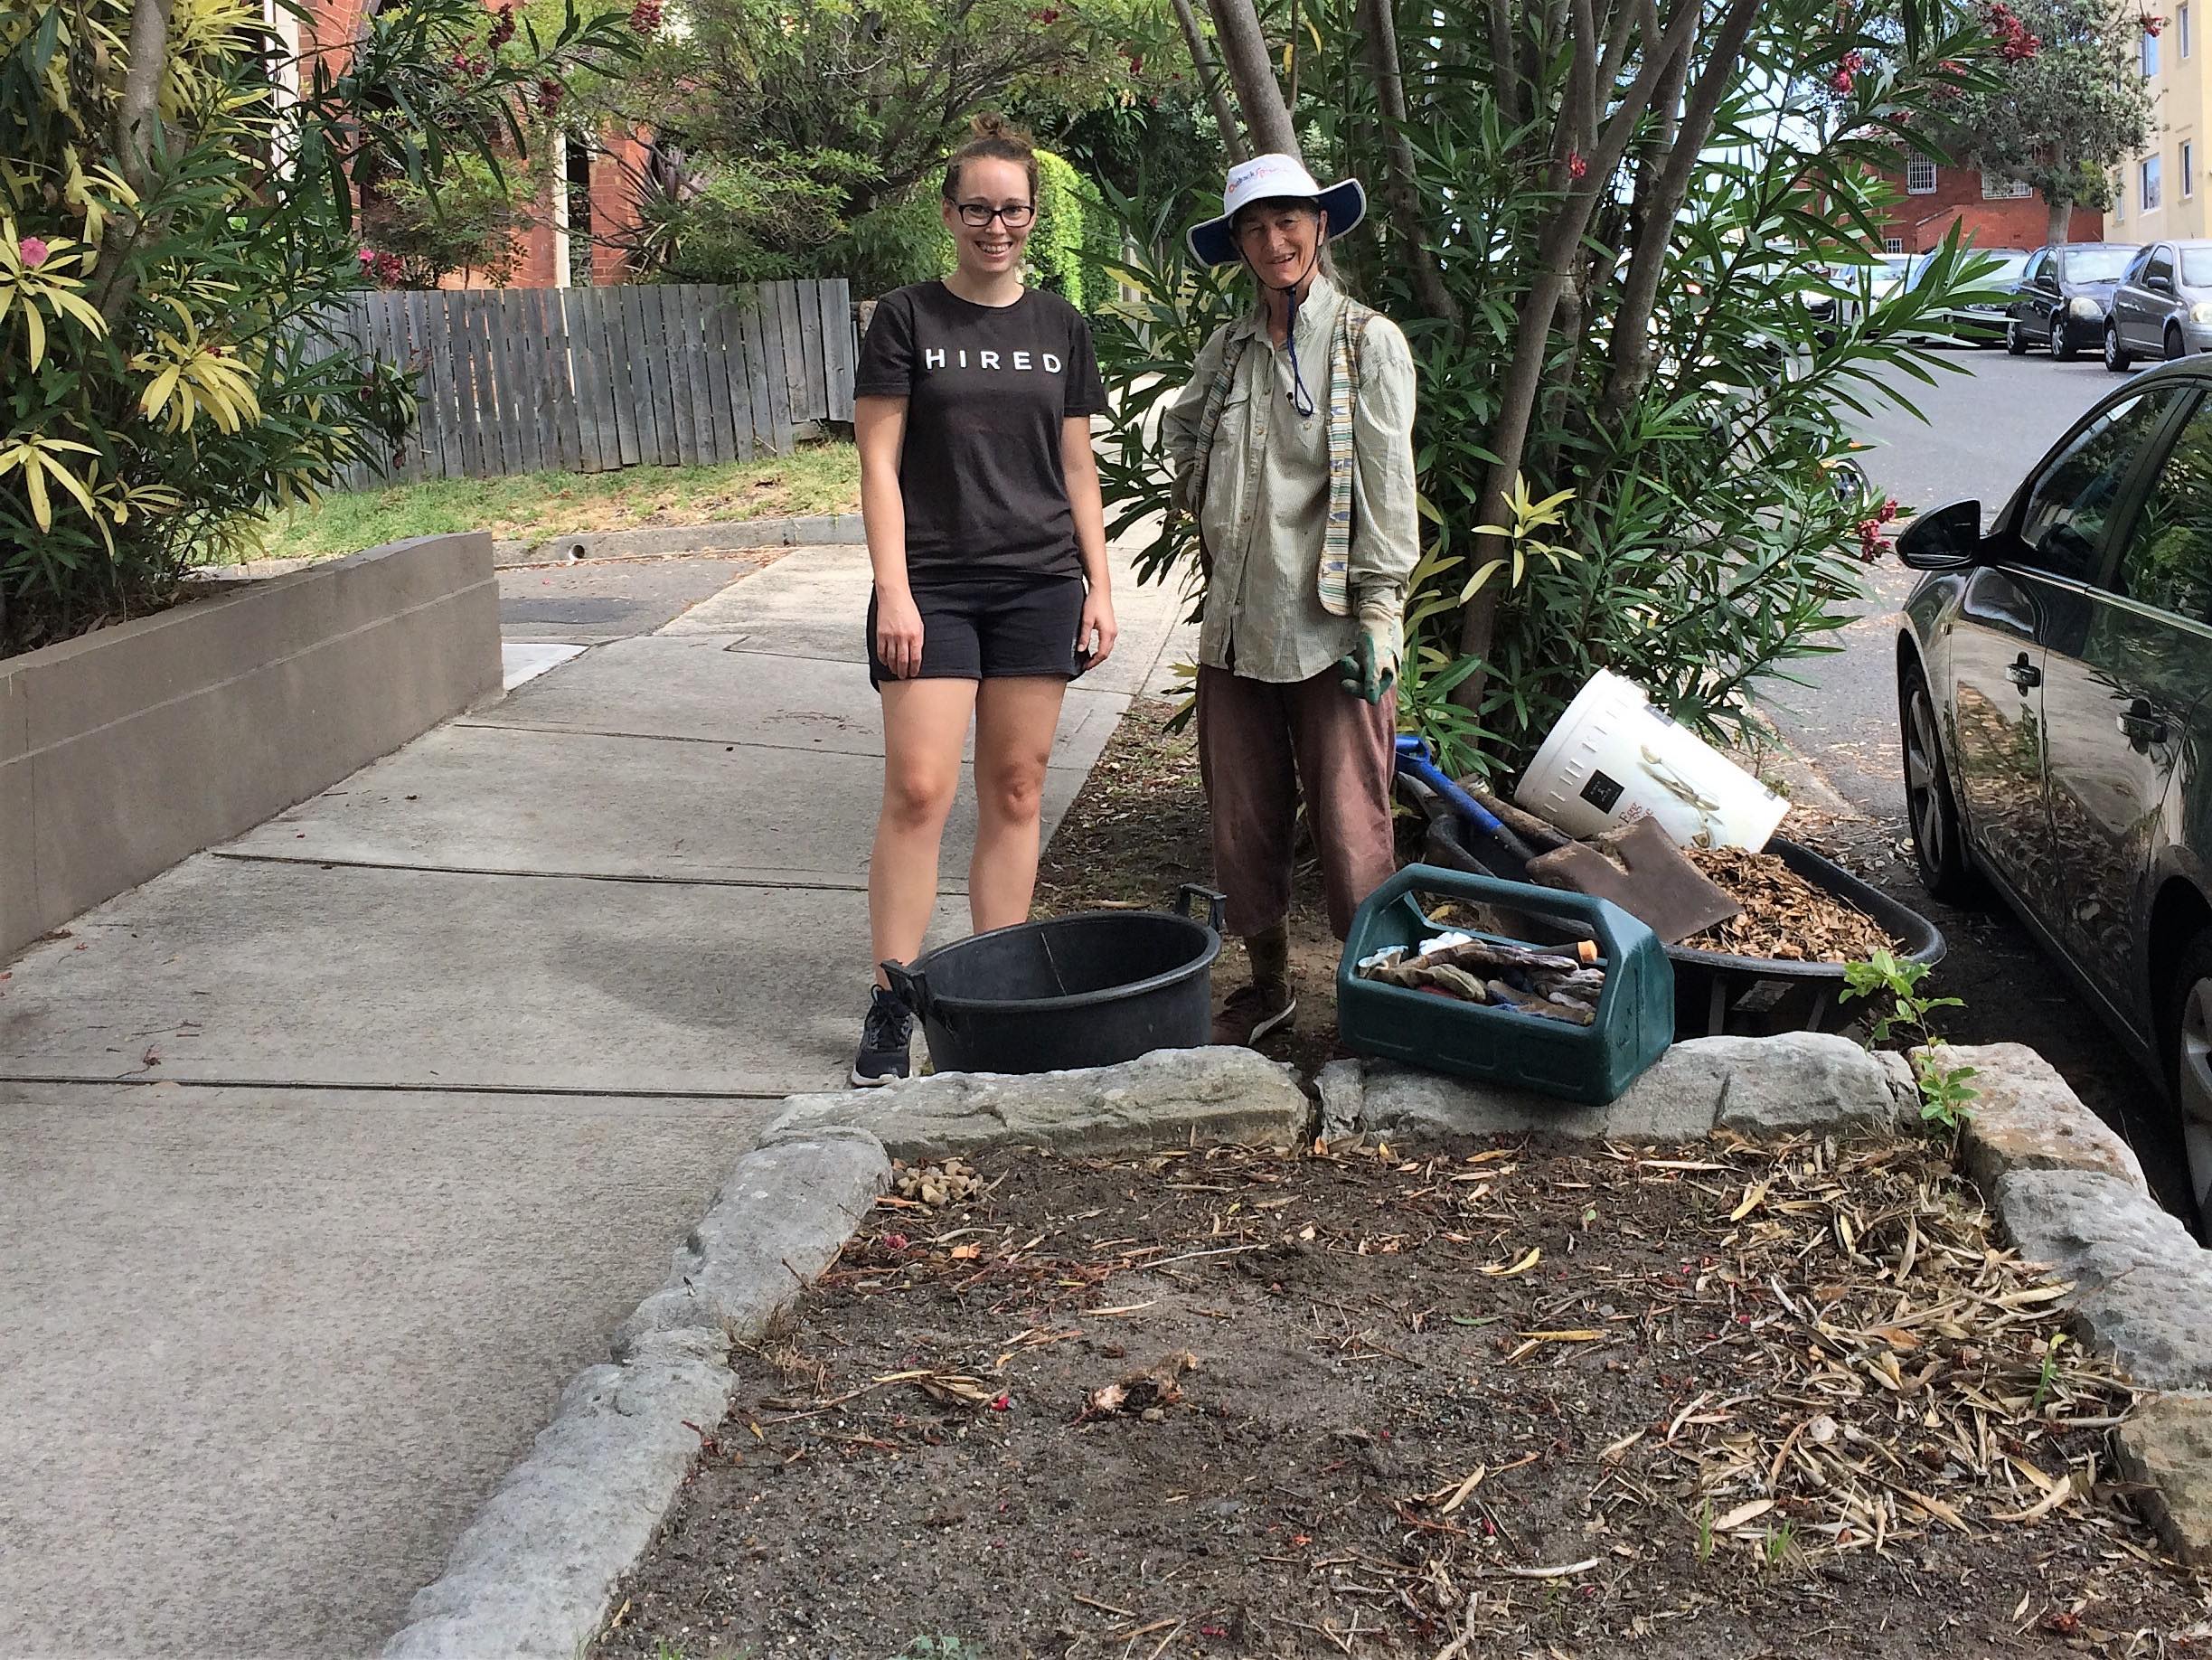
x=533, y=1575
x=1170, y=1097
x=1773, y=1086
x=665, y=540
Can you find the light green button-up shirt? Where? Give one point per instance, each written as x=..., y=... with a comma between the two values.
x=1267, y=506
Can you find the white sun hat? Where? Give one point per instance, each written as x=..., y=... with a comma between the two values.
x=1271, y=178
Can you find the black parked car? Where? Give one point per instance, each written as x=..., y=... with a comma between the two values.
x=2064, y=297
x=2053, y=675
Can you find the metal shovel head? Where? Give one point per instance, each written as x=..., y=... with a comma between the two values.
x=1643, y=872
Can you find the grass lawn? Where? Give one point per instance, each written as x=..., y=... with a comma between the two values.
x=817, y=478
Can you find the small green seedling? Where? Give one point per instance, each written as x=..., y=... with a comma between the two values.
x=1704, y=1532
x=1894, y=987
x=2058, y=1340
x=1778, y=1544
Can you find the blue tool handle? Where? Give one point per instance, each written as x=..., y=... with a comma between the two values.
x=1413, y=758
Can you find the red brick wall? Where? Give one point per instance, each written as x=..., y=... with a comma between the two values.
x=2023, y=221
x=535, y=267
x=616, y=171
x=328, y=34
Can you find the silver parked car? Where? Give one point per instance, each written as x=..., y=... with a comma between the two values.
x=2164, y=304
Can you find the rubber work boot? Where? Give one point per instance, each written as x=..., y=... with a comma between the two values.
x=885, y=1036
x=1265, y=1005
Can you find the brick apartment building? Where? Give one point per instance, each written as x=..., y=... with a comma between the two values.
x=602, y=173
x=1997, y=212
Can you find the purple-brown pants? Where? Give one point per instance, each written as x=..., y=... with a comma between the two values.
x=1256, y=743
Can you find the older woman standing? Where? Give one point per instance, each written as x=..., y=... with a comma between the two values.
x=1292, y=444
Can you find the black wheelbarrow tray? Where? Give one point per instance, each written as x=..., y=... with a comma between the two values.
x=1716, y=993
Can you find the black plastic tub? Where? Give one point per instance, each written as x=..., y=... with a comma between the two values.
x=1086, y=990
x=1716, y=993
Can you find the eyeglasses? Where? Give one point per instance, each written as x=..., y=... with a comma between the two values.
x=978, y=214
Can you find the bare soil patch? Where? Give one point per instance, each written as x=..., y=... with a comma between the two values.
x=1488, y=1400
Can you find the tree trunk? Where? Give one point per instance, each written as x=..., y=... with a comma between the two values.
x=137, y=124
x=137, y=113
x=2054, y=231
x=1210, y=75
x=1243, y=48
x=1632, y=359
x=1508, y=433
x=1401, y=186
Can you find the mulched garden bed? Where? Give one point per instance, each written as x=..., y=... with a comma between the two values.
x=1784, y=917
x=1488, y=1399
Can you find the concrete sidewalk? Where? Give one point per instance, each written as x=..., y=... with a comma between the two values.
x=328, y=1155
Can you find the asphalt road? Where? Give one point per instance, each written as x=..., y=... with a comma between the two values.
x=1985, y=426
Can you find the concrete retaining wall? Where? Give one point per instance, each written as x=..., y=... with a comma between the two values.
x=126, y=750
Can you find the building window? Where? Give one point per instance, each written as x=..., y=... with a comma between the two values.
x=2181, y=30
x=1919, y=175
x=2150, y=56
x=1893, y=244
x=2150, y=185
x=2189, y=169
x=1996, y=188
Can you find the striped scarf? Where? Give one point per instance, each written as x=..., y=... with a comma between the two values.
x=1334, y=582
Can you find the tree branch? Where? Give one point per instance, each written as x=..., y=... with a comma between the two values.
x=1509, y=435
x=1633, y=355
x=1210, y=76
x=138, y=113
x=1243, y=48
x=138, y=126
x=1401, y=182
x=1504, y=73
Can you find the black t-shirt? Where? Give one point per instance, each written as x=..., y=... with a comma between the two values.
x=987, y=388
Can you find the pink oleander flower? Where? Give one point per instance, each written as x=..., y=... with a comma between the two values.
x=34, y=249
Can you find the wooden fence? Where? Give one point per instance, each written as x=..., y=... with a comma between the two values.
x=588, y=380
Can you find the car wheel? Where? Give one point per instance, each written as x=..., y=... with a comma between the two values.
x=2175, y=350
x=2186, y=1031
x=2016, y=339
x=1939, y=841
x=2062, y=342
x=2116, y=356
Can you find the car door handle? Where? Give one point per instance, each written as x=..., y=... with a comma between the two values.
x=2023, y=673
x=2141, y=724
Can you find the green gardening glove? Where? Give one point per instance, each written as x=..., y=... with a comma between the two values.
x=1370, y=669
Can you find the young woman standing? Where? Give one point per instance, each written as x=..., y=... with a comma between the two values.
x=987, y=533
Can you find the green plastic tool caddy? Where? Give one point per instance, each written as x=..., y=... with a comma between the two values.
x=1590, y=1064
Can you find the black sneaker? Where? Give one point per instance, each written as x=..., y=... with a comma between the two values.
x=886, y=1035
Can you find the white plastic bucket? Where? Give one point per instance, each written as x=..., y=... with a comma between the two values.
x=1614, y=759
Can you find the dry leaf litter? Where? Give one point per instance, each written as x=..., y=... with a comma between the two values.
x=1784, y=917
x=1787, y=1402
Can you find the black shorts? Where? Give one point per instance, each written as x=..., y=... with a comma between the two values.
x=992, y=628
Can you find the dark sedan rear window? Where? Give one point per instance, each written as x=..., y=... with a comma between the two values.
x=2098, y=264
